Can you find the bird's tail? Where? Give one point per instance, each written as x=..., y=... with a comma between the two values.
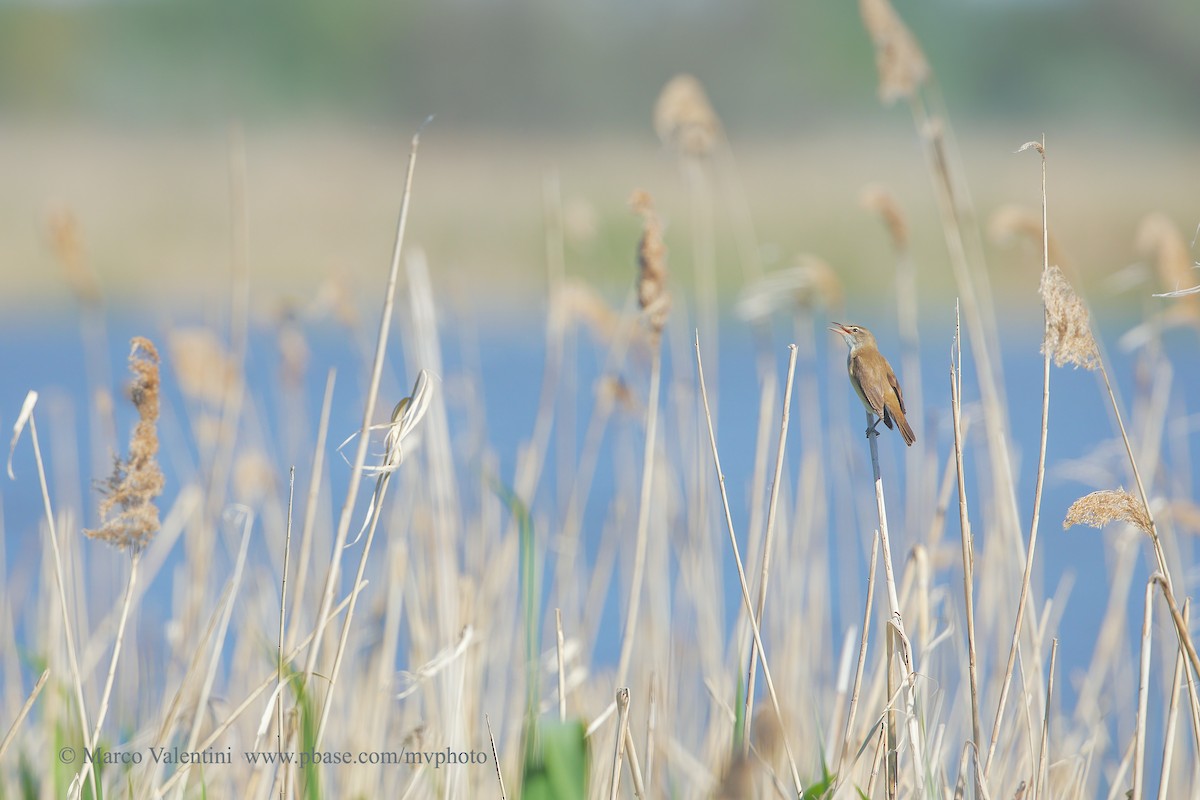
x=905, y=429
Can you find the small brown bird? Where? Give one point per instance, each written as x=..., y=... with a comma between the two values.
x=872, y=377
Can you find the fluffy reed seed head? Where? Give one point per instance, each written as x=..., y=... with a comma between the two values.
x=902, y=66
x=1011, y=221
x=204, y=369
x=67, y=244
x=128, y=513
x=880, y=200
x=684, y=118
x=1109, y=505
x=1068, y=336
x=654, y=297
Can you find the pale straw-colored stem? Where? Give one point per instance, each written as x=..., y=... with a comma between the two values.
x=896, y=632
x=1027, y=574
x=737, y=557
x=265, y=684
x=218, y=646
x=1042, y=777
x=1180, y=675
x=769, y=542
x=614, y=784
x=1139, y=748
x=360, y=453
x=856, y=689
x=643, y=524
x=24, y=712
x=310, y=508
x=287, y=550
x=106, y=695
x=60, y=583
x=968, y=550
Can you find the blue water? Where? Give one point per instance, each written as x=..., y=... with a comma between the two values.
x=48, y=354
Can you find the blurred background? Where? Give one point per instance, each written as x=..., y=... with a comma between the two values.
x=119, y=113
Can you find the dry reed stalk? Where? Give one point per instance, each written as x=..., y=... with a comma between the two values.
x=24, y=712
x=287, y=553
x=1062, y=340
x=222, y=629
x=764, y=575
x=1179, y=676
x=360, y=455
x=1139, y=748
x=310, y=507
x=619, y=744
x=654, y=298
x=848, y=735
x=1042, y=776
x=968, y=544
x=26, y=417
x=250, y=699
x=495, y=756
x=712, y=437
x=896, y=633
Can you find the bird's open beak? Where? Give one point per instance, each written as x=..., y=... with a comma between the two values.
x=838, y=327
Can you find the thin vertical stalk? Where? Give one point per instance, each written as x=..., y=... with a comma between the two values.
x=360, y=453
x=769, y=541
x=639, y=556
x=1023, y=598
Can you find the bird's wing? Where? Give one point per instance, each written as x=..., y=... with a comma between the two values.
x=872, y=394
x=896, y=389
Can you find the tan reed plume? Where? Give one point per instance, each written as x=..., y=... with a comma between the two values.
x=68, y=249
x=654, y=297
x=902, y=66
x=1109, y=505
x=135, y=481
x=684, y=118
x=878, y=199
x=1068, y=332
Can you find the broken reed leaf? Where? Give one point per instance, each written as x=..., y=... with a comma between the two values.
x=899, y=60
x=653, y=296
x=1160, y=238
x=405, y=417
x=31, y=398
x=880, y=200
x=1109, y=505
x=1068, y=336
x=128, y=514
x=684, y=119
